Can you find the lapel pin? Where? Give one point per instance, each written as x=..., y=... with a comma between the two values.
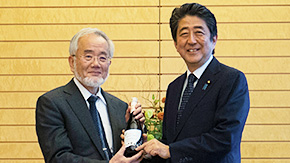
x=206, y=85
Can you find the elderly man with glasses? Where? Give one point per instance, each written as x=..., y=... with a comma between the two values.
x=80, y=122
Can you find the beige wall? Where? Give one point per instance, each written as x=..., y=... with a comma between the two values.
x=254, y=36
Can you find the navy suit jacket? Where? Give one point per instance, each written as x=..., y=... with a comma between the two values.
x=65, y=129
x=212, y=123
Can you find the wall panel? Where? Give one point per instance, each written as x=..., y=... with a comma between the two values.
x=28, y=99
x=73, y=3
x=238, y=14
x=265, y=160
x=40, y=160
x=273, y=116
x=80, y=15
x=266, y=133
x=17, y=117
x=20, y=150
x=18, y=134
x=265, y=150
x=270, y=98
x=66, y=32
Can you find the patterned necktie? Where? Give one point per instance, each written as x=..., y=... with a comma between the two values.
x=98, y=123
x=186, y=94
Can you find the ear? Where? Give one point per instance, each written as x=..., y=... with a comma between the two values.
x=214, y=39
x=71, y=63
x=175, y=44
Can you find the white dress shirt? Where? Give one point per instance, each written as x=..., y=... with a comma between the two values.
x=102, y=109
x=197, y=73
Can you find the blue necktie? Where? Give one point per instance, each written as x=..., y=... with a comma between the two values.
x=186, y=94
x=98, y=123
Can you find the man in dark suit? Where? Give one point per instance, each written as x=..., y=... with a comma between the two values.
x=206, y=107
x=80, y=122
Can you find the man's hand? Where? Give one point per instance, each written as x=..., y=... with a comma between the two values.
x=120, y=158
x=138, y=112
x=155, y=147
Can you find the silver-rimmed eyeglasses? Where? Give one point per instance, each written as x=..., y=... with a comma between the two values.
x=100, y=58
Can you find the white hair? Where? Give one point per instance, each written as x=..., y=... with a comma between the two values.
x=73, y=47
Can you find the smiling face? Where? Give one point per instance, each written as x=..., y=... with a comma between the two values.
x=193, y=41
x=90, y=73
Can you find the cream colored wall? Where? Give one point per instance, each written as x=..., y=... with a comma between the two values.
x=254, y=36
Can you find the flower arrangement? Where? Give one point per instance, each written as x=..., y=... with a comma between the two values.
x=154, y=119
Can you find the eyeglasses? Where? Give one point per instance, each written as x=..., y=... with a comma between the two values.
x=100, y=58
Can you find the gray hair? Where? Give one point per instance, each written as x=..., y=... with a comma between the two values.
x=73, y=47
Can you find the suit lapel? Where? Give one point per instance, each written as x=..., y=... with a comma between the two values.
x=114, y=114
x=173, y=103
x=204, y=85
x=79, y=107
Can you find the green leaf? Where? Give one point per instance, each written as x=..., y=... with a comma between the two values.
x=156, y=102
x=148, y=114
x=149, y=137
x=159, y=127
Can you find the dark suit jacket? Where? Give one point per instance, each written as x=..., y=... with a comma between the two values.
x=65, y=129
x=212, y=123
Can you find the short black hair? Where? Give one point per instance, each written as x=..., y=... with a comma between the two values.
x=193, y=9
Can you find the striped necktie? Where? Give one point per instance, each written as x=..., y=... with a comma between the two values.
x=98, y=123
x=186, y=94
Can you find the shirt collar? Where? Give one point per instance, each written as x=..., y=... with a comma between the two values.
x=198, y=72
x=86, y=94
